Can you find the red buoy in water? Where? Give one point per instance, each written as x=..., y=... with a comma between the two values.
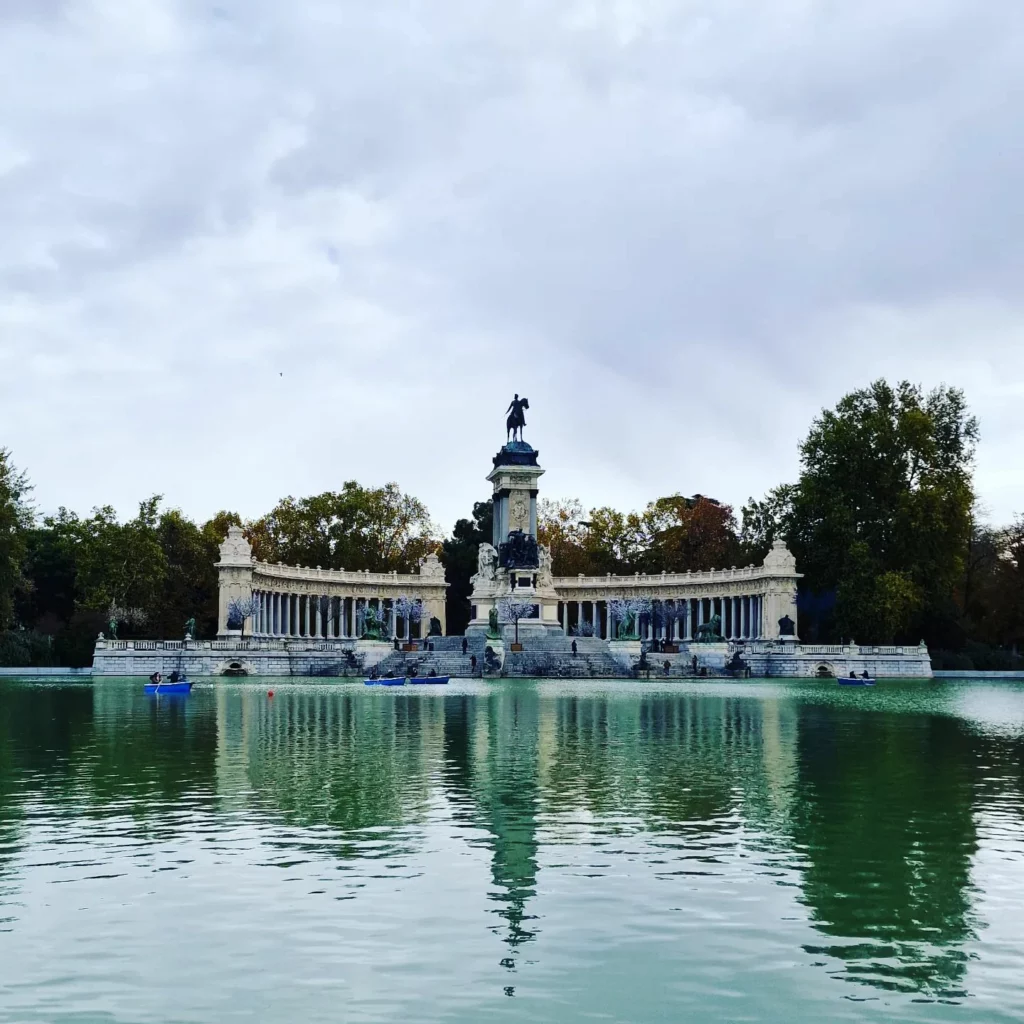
x=270, y=693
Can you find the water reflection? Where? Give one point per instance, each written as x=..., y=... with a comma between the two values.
x=869, y=806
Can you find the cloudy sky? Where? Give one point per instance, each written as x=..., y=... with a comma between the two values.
x=252, y=248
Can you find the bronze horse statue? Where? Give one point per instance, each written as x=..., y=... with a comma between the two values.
x=516, y=420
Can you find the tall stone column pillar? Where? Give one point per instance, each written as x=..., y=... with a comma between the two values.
x=565, y=617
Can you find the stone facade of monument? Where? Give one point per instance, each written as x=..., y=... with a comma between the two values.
x=293, y=601
x=309, y=621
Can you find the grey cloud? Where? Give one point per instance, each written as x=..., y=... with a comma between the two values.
x=711, y=218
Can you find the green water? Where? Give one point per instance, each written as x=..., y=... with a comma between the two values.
x=512, y=851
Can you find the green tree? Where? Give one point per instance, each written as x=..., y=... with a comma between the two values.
x=16, y=517
x=189, y=585
x=357, y=528
x=881, y=514
x=459, y=557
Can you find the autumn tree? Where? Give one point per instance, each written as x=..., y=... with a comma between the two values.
x=690, y=534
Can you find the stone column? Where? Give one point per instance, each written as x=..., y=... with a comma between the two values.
x=565, y=617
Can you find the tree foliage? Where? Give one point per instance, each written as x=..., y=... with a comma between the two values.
x=881, y=514
x=674, y=533
x=459, y=556
x=15, y=519
x=375, y=528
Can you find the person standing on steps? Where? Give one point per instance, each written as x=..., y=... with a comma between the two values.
x=465, y=645
x=574, y=648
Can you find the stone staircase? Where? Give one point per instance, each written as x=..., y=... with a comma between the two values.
x=446, y=659
x=544, y=657
x=553, y=657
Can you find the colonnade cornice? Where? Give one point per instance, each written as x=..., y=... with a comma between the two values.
x=273, y=575
x=656, y=593
x=683, y=583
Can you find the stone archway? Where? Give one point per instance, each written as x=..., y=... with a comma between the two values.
x=825, y=671
x=234, y=667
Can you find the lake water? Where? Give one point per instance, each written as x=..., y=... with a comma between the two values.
x=512, y=851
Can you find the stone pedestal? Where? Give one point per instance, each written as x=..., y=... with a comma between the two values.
x=515, y=565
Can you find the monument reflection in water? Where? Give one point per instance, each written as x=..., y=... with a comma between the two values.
x=866, y=811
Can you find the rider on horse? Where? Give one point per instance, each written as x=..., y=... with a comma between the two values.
x=516, y=420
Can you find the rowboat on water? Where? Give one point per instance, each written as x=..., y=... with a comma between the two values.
x=856, y=681
x=181, y=686
x=429, y=681
x=385, y=682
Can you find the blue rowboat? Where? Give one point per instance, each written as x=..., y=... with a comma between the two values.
x=429, y=681
x=385, y=682
x=850, y=681
x=185, y=686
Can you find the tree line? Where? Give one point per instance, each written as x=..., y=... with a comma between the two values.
x=65, y=578
x=883, y=520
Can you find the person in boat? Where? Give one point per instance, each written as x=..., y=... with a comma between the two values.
x=175, y=676
x=864, y=674
x=432, y=672
x=156, y=678
x=853, y=673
